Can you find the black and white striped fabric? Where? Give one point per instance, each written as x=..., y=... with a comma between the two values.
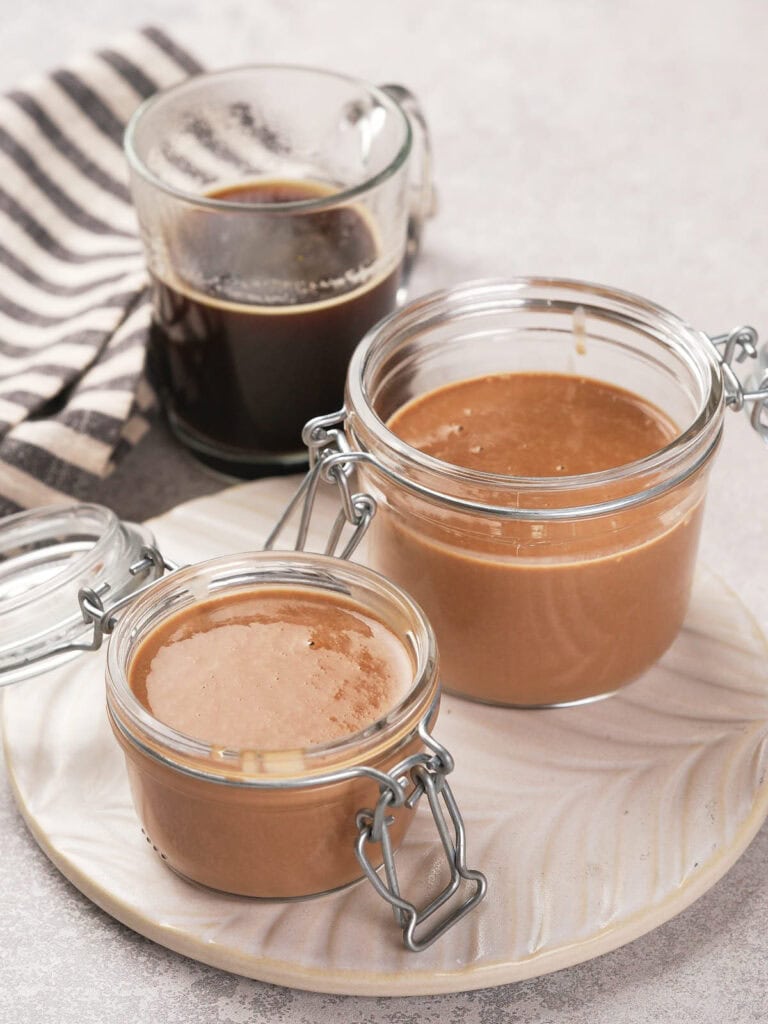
x=74, y=308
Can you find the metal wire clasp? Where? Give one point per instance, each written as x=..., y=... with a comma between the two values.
x=426, y=772
x=330, y=460
x=738, y=345
x=104, y=619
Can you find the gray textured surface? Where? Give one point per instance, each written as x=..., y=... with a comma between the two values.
x=617, y=142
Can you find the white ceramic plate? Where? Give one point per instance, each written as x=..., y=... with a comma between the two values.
x=593, y=824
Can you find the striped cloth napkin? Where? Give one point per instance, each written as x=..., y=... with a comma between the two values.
x=74, y=304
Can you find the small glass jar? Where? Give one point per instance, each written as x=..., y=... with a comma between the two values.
x=251, y=822
x=275, y=824
x=542, y=591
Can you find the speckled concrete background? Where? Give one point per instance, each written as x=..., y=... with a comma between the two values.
x=623, y=143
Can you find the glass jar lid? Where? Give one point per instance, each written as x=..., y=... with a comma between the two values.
x=48, y=558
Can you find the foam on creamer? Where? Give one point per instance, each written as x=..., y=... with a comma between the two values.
x=271, y=668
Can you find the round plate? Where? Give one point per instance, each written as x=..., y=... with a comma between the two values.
x=594, y=824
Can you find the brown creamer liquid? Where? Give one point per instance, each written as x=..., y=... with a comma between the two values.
x=530, y=612
x=532, y=424
x=270, y=669
x=276, y=669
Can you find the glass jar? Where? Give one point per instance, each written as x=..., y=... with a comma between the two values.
x=251, y=822
x=276, y=824
x=542, y=591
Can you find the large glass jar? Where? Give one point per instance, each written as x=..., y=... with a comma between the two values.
x=542, y=591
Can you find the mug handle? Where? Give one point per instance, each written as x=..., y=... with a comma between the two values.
x=423, y=199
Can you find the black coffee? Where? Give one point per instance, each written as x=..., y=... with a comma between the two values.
x=244, y=363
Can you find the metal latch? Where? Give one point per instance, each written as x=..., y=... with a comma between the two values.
x=738, y=345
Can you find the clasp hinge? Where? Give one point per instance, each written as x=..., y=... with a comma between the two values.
x=427, y=774
x=738, y=345
x=104, y=619
x=331, y=460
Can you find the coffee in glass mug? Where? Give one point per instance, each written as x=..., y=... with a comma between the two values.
x=279, y=218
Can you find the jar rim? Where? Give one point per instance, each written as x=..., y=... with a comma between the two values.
x=248, y=570
x=375, y=439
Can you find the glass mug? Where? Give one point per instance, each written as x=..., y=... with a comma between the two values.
x=280, y=214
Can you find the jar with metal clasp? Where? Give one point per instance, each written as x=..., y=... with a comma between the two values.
x=277, y=824
x=542, y=590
